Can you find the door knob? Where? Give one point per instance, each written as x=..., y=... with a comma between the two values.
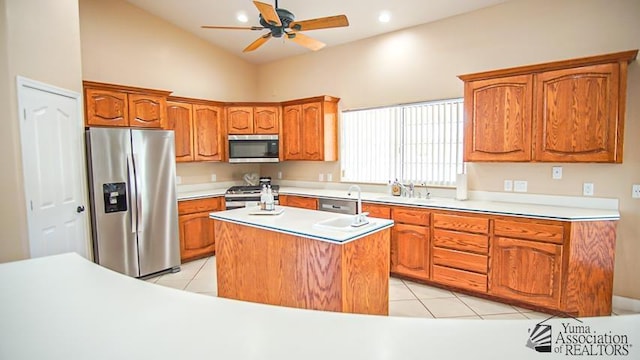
x=80, y=209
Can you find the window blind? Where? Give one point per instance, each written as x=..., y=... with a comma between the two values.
x=420, y=143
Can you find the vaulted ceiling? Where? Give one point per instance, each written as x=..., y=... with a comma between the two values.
x=362, y=15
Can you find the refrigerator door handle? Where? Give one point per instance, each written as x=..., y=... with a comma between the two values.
x=138, y=196
x=133, y=209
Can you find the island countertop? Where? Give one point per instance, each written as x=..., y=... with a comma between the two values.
x=300, y=222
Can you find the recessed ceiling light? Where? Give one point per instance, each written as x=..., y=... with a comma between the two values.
x=384, y=17
x=242, y=17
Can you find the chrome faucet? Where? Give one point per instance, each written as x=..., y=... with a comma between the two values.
x=360, y=218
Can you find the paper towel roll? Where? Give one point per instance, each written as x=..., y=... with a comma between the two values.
x=461, y=187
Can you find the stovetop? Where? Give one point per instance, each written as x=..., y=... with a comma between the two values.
x=246, y=189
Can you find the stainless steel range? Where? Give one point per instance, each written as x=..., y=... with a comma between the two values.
x=241, y=196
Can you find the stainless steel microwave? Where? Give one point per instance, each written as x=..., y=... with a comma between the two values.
x=253, y=148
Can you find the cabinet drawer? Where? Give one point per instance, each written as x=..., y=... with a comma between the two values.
x=378, y=211
x=410, y=216
x=461, y=223
x=299, y=202
x=200, y=205
x=460, y=278
x=529, y=230
x=460, y=260
x=461, y=241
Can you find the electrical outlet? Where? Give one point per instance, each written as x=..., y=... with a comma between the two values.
x=587, y=189
x=508, y=185
x=320, y=177
x=329, y=177
x=635, y=191
x=214, y=178
x=178, y=180
x=520, y=186
x=279, y=174
x=556, y=172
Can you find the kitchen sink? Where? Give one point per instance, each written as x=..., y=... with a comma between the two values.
x=339, y=224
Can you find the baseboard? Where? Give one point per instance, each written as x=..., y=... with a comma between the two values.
x=625, y=303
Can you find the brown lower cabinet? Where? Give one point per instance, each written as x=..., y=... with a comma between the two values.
x=556, y=266
x=197, y=238
x=299, y=201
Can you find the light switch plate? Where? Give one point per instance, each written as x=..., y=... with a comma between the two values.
x=508, y=185
x=214, y=178
x=520, y=186
x=329, y=177
x=635, y=191
x=320, y=177
x=587, y=189
x=279, y=174
x=178, y=180
x=556, y=172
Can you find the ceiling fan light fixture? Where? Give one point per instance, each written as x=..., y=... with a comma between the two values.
x=384, y=17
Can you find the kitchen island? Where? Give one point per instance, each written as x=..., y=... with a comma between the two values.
x=287, y=259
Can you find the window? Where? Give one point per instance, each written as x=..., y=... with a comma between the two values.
x=421, y=143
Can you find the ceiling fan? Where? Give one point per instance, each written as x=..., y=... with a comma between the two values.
x=281, y=22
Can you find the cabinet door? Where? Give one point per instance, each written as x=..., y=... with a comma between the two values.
x=576, y=115
x=106, y=108
x=525, y=270
x=498, y=115
x=410, y=251
x=299, y=202
x=209, y=133
x=265, y=119
x=180, y=120
x=196, y=236
x=240, y=120
x=291, y=136
x=312, y=131
x=147, y=111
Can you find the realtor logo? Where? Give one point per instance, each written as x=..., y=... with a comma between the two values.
x=540, y=338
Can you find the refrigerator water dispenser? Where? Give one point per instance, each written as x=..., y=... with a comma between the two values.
x=115, y=197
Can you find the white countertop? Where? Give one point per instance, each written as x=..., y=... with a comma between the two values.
x=300, y=222
x=477, y=206
x=65, y=307
x=561, y=210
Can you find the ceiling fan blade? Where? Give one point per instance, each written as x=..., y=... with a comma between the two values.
x=320, y=23
x=259, y=42
x=233, y=27
x=269, y=13
x=305, y=41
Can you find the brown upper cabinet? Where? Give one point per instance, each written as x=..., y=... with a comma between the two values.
x=263, y=119
x=124, y=106
x=565, y=111
x=199, y=129
x=310, y=129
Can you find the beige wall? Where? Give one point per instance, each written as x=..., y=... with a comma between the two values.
x=422, y=63
x=124, y=44
x=40, y=40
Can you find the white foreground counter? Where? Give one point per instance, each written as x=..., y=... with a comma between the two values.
x=65, y=307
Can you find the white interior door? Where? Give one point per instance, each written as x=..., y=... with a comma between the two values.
x=53, y=164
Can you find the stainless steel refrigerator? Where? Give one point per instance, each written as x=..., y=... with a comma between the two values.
x=134, y=214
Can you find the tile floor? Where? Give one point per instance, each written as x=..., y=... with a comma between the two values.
x=406, y=298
